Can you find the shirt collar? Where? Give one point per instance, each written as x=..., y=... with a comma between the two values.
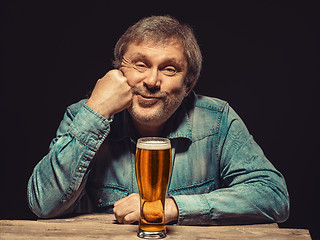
x=178, y=126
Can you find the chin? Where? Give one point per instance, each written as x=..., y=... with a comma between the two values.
x=147, y=116
x=154, y=115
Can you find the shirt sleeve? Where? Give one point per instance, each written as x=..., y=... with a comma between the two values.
x=58, y=180
x=253, y=190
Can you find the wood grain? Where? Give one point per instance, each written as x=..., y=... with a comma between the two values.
x=104, y=226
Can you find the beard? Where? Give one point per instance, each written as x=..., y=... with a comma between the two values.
x=157, y=111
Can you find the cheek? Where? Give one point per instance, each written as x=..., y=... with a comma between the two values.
x=133, y=77
x=173, y=85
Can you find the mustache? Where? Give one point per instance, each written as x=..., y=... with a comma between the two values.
x=148, y=93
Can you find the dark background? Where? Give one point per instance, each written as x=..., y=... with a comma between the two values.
x=260, y=56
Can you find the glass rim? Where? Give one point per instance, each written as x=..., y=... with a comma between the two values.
x=153, y=143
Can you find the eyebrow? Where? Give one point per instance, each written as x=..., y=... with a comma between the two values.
x=138, y=56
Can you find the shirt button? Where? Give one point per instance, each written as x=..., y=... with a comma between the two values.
x=80, y=169
x=100, y=136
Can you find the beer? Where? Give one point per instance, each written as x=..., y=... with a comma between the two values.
x=153, y=168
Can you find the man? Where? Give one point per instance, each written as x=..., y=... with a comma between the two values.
x=219, y=176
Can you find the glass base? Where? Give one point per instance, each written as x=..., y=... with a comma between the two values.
x=144, y=234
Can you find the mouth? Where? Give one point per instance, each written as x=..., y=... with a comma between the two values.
x=147, y=101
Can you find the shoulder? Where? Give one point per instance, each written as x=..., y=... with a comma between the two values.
x=199, y=104
x=209, y=104
x=214, y=114
x=206, y=114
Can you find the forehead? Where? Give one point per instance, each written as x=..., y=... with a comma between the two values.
x=156, y=51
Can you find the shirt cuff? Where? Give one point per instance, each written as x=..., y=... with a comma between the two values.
x=193, y=209
x=90, y=128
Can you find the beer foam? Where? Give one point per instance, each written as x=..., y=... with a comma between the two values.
x=154, y=145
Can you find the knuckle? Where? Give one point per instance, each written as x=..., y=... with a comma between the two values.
x=113, y=71
x=115, y=211
x=119, y=218
x=133, y=195
x=126, y=219
x=136, y=195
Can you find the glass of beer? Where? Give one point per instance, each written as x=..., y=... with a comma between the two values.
x=153, y=169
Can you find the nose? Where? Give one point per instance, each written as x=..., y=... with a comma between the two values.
x=152, y=80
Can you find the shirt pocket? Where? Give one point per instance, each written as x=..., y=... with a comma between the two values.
x=193, y=189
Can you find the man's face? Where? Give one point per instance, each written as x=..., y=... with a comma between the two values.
x=156, y=74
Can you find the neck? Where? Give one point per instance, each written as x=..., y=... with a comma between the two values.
x=146, y=130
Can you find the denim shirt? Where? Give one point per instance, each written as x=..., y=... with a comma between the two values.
x=219, y=173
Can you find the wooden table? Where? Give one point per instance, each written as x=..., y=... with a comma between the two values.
x=104, y=226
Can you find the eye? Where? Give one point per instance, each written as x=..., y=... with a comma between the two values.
x=169, y=70
x=140, y=66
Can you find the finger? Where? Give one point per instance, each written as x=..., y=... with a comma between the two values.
x=121, y=70
x=125, y=206
x=119, y=217
x=123, y=77
x=121, y=209
x=131, y=217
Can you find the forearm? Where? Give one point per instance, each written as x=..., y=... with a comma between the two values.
x=59, y=178
x=245, y=203
x=55, y=183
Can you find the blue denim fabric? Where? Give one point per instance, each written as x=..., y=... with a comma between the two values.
x=219, y=175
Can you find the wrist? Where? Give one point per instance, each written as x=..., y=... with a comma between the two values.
x=96, y=108
x=171, y=210
x=89, y=127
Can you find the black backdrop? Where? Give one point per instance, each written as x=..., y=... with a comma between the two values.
x=260, y=56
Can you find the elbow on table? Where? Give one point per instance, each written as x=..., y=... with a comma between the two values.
x=40, y=210
x=43, y=211
x=41, y=214
x=283, y=213
x=281, y=209
x=39, y=206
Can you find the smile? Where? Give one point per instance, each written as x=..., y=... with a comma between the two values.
x=146, y=101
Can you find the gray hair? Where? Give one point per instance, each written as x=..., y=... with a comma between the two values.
x=162, y=30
